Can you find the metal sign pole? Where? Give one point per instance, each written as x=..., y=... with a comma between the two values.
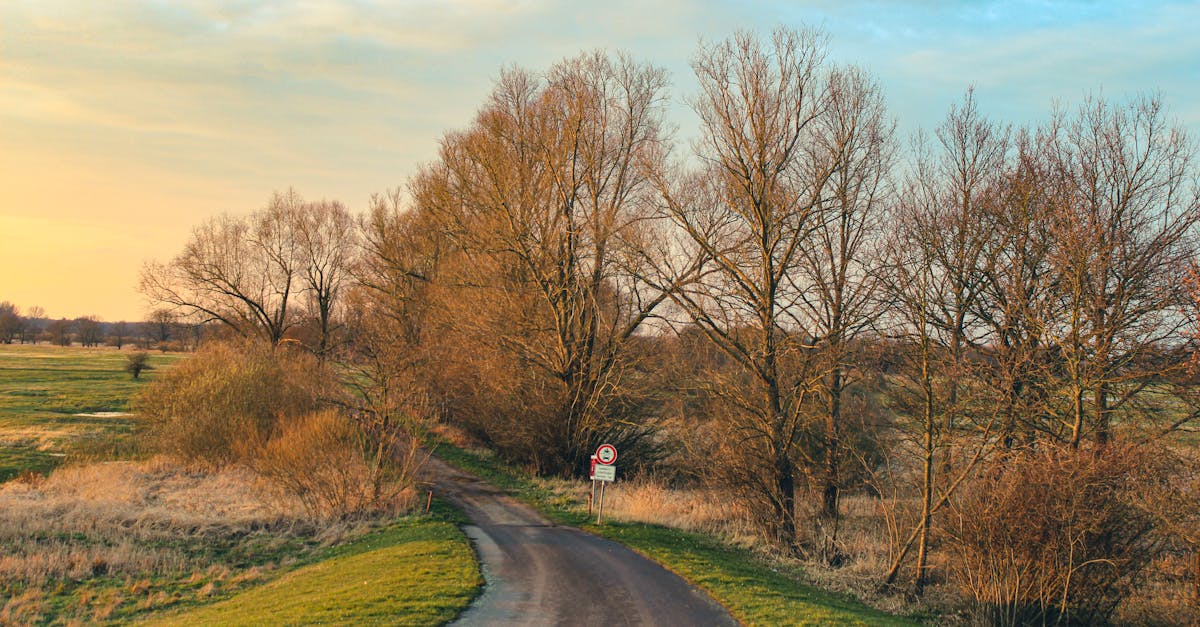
x=600, y=508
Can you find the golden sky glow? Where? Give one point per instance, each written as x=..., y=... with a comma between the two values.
x=123, y=124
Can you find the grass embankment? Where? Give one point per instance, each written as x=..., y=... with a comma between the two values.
x=754, y=591
x=43, y=391
x=420, y=571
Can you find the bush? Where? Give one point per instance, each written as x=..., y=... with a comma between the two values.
x=324, y=459
x=221, y=404
x=137, y=363
x=1058, y=535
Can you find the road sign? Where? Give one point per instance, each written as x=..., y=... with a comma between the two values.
x=605, y=472
x=606, y=454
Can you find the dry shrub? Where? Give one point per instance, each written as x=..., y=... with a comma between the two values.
x=1058, y=535
x=207, y=408
x=326, y=461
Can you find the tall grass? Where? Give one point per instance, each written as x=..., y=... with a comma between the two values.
x=125, y=537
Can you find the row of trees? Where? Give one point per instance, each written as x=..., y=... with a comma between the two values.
x=161, y=330
x=796, y=294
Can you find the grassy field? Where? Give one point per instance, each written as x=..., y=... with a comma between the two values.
x=754, y=591
x=150, y=540
x=418, y=572
x=54, y=401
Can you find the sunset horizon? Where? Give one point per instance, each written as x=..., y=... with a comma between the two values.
x=123, y=127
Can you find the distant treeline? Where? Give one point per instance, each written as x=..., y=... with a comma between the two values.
x=161, y=331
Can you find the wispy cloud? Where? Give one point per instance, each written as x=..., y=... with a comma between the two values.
x=176, y=110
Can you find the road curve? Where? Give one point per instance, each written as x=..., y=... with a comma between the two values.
x=539, y=573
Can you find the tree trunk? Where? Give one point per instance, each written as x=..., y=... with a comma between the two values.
x=833, y=440
x=786, y=485
x=927, y=480
x=1077, y=424
x=1102, y=416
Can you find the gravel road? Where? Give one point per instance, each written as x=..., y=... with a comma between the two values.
x=539, y=573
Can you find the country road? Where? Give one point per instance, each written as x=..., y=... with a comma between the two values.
x=539, y=573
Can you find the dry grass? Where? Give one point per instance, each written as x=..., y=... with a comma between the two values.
x=141, y=535
x=697, y=510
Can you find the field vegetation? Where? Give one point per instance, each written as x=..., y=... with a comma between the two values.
x=99, y=537
x=58, y=403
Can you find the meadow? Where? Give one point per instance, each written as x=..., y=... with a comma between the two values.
x=96, y=530
x=60, y=402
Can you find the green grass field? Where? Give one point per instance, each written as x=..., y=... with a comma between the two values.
x=43, y=391
x=420, y=572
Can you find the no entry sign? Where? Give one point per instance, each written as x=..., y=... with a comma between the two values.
x=606, y=454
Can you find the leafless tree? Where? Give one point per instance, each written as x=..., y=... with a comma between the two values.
x=936, y=277
x=544, y=196
x=89, y=331
x=747, y=214
x=1125, y=243
x=224, y=275
x=247, y=272
x=837, y=274
x=160, y=326
x=60, y=331
x=11, y=322
x=1019, y=298
x=326, y=240
x=118, y=333
x=35, y=320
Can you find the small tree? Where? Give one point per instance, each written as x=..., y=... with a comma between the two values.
x=136, y=363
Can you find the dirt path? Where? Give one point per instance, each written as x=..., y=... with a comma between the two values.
x=539, y=573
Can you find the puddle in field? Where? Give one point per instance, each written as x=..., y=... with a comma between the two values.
x=104, y=414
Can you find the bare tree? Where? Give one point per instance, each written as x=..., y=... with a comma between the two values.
x=34, y=322
x=160, y=326
x=60, y=331
x=1019, y=299
x=837, y=274
x=544, y=196
x=936, y=277
x=325, y=242
x=747, y=214
x=89, y=331
x=11, y=322
x=239, y=271
x=1126, y=241
x=118, y=333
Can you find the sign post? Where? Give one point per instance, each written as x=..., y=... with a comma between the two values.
x=605, y=472
x=592, y=476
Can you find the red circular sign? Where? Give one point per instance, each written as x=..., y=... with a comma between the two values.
x=606, y=454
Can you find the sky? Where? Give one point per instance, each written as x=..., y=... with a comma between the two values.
x=124, y=124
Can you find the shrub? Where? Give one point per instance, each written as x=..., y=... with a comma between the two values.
x=1058, y=535
x=222, y=403
x=324, y=459
x=137, y=363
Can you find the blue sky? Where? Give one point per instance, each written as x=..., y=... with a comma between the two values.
x=122, y=124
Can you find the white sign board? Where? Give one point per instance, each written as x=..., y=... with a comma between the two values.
x=605, y=473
